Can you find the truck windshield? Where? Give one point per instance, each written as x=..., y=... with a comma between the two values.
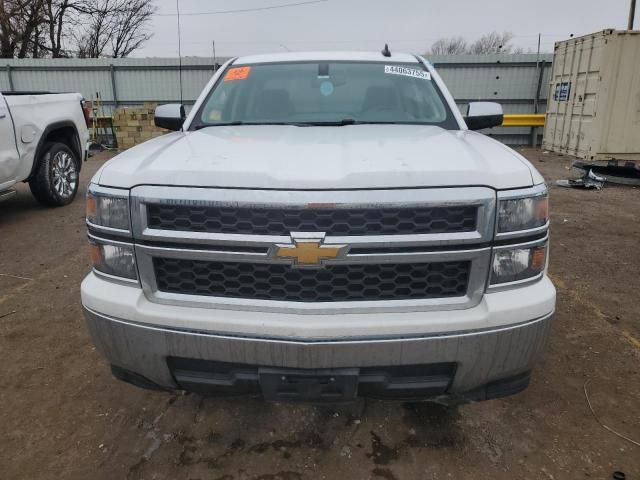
x=325, y=93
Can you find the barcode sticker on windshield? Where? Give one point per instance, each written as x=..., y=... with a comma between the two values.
x=407, y=72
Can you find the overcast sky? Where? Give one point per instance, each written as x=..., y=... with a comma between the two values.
x=407, y=25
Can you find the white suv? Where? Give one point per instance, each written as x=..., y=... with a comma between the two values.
x=321, y=226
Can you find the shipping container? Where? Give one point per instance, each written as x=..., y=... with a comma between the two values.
x=593, y=109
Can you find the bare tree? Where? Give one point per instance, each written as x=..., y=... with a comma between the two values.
x=115, y=28
x=62, y=28
x=493, y=42
x=449, y=46
x=93, y=38
x=19, y=21
x=129, y=27
x=8, y=12
x=63, y=18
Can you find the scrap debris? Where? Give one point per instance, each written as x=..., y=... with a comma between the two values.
x=598, y=173
x=588, y=181
x=616, y=171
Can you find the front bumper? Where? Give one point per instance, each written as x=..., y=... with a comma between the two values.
x=488, y=363
x=467, y=353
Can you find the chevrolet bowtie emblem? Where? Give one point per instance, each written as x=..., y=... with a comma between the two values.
x=308, y=252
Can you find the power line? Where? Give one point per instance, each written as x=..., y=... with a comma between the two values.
x=243, y=10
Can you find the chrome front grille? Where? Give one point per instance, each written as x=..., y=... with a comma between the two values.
x=333, y=283
x=438, y=257
x=327, y=219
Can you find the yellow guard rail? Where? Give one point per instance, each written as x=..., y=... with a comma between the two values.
x=523, y=120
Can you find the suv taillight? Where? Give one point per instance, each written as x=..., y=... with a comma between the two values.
x=86, y=111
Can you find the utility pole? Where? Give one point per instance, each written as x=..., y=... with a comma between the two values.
x=179, y=48
x=536, y=98
x=632, y=14
x=213, y=45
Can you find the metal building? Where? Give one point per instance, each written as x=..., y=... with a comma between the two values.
x=513, y=80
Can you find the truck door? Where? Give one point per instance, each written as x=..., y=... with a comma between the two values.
x=9, y=158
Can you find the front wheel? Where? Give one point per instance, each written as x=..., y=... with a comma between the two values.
x=55, y=182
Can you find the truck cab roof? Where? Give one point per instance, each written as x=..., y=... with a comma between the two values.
x=326, y=57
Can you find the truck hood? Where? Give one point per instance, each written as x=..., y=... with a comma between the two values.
x=346, y=157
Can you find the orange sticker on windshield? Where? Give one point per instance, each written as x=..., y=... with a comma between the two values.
x=237, y=73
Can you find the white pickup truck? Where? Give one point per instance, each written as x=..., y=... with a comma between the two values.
x=320, y=227
x=43, y=141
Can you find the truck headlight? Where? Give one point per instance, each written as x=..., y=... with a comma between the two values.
x=113, y=258
x=108, y=208
x=108, y=215
x=513, y=264
x=523, y=213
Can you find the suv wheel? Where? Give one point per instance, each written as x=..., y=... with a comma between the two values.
x=55, y=182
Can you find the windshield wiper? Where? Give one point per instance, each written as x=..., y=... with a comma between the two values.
x=240, y=122
x=329, y=123
x=351, y=121
x=225, y=124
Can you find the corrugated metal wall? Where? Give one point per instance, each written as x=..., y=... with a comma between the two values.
x=512, y=80
x=125, y=81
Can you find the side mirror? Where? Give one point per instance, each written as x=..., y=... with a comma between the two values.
x=170, y=116
x=483, y=115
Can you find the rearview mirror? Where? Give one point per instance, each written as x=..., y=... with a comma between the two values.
x=483, y=115
x=170, y=116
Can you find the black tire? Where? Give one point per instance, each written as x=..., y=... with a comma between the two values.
x=55, y=182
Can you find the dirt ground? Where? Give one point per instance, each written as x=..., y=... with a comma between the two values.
x=62, y=416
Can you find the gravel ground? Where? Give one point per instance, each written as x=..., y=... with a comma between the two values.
x=63, y=416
